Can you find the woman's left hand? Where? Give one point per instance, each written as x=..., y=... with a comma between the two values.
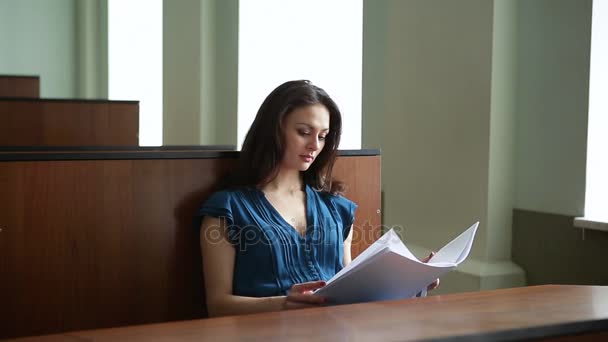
x=434, y=284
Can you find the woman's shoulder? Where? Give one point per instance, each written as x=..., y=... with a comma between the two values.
x=342, y=208
x=223, y=203
x=337, y=200
x=228, y=194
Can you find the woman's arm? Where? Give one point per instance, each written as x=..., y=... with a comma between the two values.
x=218, y=269
x=347, y=245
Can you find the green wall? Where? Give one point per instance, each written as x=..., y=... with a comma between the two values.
x=200, y=59
x=375, y=32
x=501, y=172
x=181, y=71
x=427, y=80
x=439, y=101
x=552, y=252
x=92, y=49
x=426, y=83
x=479, y=107
x=38, y=37
x=553, y=57
x=552, y=102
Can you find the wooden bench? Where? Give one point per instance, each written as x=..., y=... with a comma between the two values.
x=106, y=238
x=62, y=122
x=19, y=86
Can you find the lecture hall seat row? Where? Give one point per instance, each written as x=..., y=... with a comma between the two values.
x=96, y=231
x=95, y=236
x=28, y=120
x=97, y=239
x=19, y=86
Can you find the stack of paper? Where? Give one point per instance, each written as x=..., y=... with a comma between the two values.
x=388, y=270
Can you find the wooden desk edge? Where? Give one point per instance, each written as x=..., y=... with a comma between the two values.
x=583, y=328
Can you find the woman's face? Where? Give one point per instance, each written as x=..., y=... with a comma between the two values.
x=305, y=129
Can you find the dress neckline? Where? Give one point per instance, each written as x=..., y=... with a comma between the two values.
x=307, y=209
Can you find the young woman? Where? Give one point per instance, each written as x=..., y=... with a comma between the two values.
x=282, y=227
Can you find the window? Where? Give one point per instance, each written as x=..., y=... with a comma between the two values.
x=596, y=192
x=318, y=40
x=135, y=61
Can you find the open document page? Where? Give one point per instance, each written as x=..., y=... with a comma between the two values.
x=388, y=270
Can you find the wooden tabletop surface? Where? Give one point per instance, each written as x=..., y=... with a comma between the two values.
x=508, y=314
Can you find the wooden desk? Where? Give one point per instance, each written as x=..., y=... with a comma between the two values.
x=550, y=312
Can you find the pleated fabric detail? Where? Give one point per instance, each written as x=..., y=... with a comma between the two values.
x=271, y=255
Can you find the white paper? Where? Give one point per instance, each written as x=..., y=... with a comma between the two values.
x=388, y=270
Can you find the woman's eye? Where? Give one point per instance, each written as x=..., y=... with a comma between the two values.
x=322, y=137
x=304, y=132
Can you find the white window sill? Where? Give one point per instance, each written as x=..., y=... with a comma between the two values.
x=588, y=223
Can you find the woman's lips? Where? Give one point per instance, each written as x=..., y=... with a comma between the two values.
x=307, y=158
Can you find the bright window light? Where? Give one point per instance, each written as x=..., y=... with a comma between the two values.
x=135, y=61
x=596, y=193
x=318, y=40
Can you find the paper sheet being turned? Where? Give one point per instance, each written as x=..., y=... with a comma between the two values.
x=388, y=270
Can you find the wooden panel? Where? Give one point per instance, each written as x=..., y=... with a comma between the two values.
x=68, y=123
x=19, y=86
x=100, y=243
x=527, y=313
x=362, y=177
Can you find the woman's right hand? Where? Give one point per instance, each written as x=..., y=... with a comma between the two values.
x=301, y=295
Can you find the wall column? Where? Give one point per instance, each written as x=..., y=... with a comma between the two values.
x=446, y=118
x=91, y=49
x=200, y=40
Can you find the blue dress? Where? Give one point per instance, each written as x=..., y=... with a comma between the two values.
x=271, y=255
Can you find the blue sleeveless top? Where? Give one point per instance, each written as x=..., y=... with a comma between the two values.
x=271, y=255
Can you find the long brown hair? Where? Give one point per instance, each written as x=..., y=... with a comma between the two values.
x=264, y=144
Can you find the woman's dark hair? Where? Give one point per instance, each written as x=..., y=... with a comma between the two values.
x=264, y=144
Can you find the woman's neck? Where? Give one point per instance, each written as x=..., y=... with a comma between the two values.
x=286, y=182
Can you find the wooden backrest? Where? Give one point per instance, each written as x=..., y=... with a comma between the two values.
x=48, y=122
x=108, y=240
x=19, y=86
